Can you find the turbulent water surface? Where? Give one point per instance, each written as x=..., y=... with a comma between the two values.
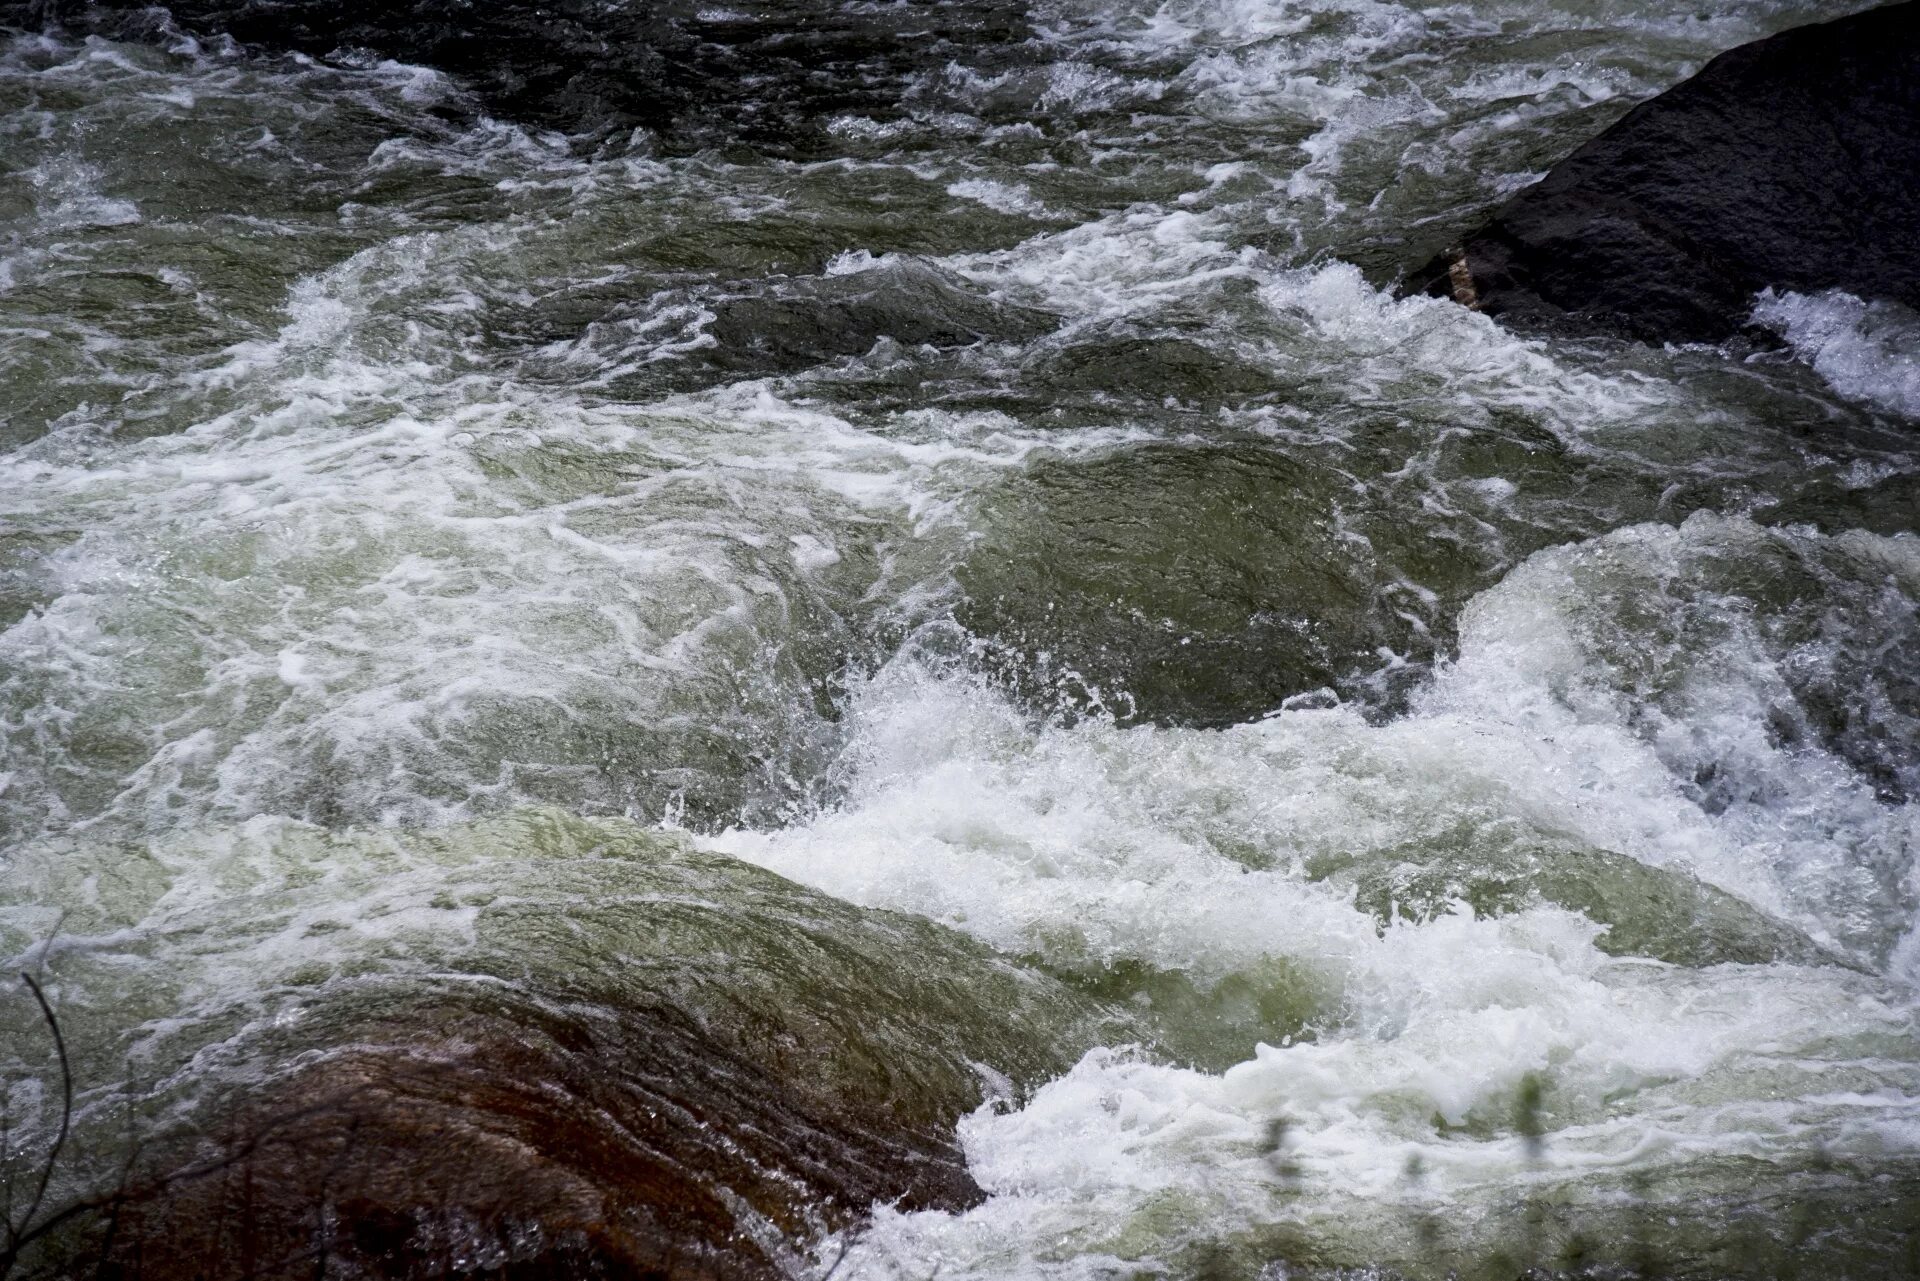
x=1472, y=775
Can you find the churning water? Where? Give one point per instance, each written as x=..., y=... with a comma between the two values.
x=1475, y=774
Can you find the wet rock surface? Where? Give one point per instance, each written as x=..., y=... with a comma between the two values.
x=549, y=1047
x=1788, y=163
x=500, y=1136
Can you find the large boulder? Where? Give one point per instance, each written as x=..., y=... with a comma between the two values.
x=533, y=1046
x=1792, y=162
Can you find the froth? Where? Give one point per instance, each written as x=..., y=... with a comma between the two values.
x=1865, y=350
x=1410, y=1043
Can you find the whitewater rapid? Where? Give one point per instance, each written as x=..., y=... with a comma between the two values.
x=1476, y=771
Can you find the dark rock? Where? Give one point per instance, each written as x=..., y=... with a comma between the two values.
x=1791, y=162
x=481, y=1133
x=798, y=323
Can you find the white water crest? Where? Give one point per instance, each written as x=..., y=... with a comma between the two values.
x=1867, y=350
x=1220, y=854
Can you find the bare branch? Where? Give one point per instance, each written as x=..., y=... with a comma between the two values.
x=46, y=946
x=19, y=1235
x=846, y=1244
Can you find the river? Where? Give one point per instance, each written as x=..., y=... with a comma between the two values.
x=1015, y=496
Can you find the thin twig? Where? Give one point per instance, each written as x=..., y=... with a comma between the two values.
x=18, y=1236
x=46, y=944
x=6, y=1164
x=846, y=1244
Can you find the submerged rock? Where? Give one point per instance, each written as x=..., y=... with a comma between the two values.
x=539, y=1046
x=559, y=1139
x=1654, y=912
x=1201, y=585
x=1788, y=163
x=809, y=320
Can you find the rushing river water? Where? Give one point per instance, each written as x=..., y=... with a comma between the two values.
x=1475, y=772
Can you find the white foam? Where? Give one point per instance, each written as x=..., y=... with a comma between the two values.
x=1190, y=850
x=374, y=559
x=69, y=196
x=1131, y=1160
x=1000, y=197
x=1330, y=323
x=1384, y=92
x=1866, y=350
x=378, y=565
